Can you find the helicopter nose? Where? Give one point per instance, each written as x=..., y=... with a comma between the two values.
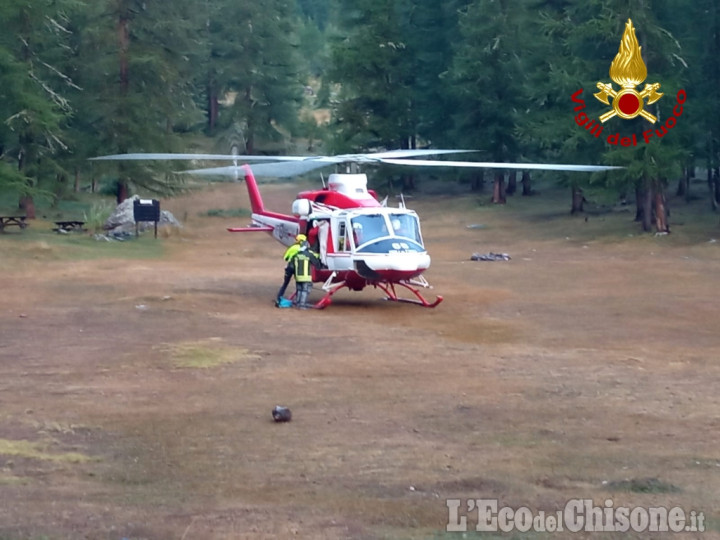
x=399, y=262
x=385, y=273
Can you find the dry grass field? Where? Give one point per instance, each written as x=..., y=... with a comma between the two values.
x=137, y=379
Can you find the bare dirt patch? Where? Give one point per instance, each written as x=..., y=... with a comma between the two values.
x=137, y=391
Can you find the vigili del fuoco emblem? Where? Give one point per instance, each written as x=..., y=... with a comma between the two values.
x=628, y=70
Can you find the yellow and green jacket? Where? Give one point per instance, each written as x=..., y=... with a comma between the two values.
x=302, y=261
x=291, y=252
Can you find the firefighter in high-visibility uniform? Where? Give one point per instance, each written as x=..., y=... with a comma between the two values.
x=289, y=267
x=303, y=261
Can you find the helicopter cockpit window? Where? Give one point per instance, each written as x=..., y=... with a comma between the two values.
x=406, y=226
x=368, y=228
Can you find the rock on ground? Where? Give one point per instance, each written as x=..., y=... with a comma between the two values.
x=122, y=218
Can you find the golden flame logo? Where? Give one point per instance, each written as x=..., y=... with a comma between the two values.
x=628, y=70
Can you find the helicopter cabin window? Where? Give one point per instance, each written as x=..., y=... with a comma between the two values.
x=406, y=226
x=367, y=228
x=342, y=240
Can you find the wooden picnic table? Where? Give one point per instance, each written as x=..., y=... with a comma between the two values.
x=68, y=226
x=18, y=221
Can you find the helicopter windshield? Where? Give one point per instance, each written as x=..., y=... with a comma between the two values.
x=406, y=226
x=367, y=228
x=373, y=227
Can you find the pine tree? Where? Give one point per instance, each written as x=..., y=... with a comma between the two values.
x=253, y=56
x=584, y=37
x=430, y=28
x=137, y=80
x=372, y=67
x=317, y=11
x=34, y=101
x=487, y=76
x=698, y=25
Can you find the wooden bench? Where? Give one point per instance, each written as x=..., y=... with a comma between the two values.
x=18, y=221
x=69, y=226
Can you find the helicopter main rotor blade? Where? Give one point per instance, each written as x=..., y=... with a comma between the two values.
x=295, y=168
x=186, y=157
x=496, y=165
x=374, y=156
x=286, y=166
x=142, y=156
x=234, y=171
x=275, y=170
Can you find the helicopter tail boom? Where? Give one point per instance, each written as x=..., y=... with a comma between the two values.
x=256, y=202
x=282, y=227
x=250, y=229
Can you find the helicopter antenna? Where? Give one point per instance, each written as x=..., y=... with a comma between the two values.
x=402, y=201
x=322, y=179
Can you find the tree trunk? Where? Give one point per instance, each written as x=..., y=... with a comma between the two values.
x=250, y=135
x=59, y=189
x=408, y=181
x=499, y=189
x=477, y=182
x=28, y=205
x=661, y=215
x=512, y=183
x=639, y=208
x=122, y=191
x=526, y=184
x=682, y=187
x=76, y=184
x=124, y=40
x=690, y=175
x=647, y=204
x=25, y=202
x=213, y=108
x=578, y=200
x=709, y=177
x=716, y=188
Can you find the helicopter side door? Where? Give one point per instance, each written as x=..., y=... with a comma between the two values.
x=339, y=253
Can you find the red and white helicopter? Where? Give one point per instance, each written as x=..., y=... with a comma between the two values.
x=360, y=240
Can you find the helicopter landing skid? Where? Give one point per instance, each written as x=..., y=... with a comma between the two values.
x=330, y=288
x=389, y=289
